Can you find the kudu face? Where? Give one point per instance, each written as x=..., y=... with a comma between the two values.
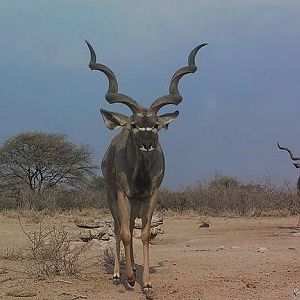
x=144, y=129
x=144, y=124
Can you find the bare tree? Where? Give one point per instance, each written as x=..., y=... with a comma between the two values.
x=39, y=161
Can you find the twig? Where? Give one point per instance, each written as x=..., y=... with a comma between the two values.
x=65, y=281
x=18, y=271
x=6, y=279
x=75, y=296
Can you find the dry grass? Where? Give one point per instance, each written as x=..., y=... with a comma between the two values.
x=226, y=196
x=108, y=259
x=51, y=252
x=219, y=196
x=13, y=253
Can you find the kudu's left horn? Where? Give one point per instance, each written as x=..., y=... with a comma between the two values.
x=174, y=96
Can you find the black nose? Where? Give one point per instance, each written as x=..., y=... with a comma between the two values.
x=147, y=145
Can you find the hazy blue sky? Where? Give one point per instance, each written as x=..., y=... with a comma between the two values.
x=244, y=97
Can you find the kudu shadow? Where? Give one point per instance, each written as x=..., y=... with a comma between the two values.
x=139, y=275
x=152, y=270
x=108, y=266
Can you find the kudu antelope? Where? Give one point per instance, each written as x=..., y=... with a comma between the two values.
x=297, y=165
x=133, y=165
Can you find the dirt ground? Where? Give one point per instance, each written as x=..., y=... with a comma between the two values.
x=219, y=262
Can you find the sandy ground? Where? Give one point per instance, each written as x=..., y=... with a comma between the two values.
x=219, y=262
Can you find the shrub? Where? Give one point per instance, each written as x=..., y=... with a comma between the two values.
x=224, y=195
x=51, y=252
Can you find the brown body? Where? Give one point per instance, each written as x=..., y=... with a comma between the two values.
x=132, y=181
x=134, y=165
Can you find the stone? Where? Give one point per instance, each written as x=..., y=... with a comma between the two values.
x=89, y=223
x=203, y=225
x=105, y=237
x=157, y=220
x=89, y=234
x=262, y=249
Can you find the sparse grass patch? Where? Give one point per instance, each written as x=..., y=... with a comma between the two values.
x=108, y=259
x=13, y=253
x=51, y=252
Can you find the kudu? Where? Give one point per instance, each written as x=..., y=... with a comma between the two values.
x=133, y=165
x=297, y=165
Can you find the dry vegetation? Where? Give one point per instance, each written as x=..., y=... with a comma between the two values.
x=226, y=196
x=49, y=252
x=220, y=196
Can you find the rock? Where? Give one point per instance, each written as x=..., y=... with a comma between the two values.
x=105, y=237
x=89, y=223
x=250, y=285
x=96, y=242
x=89, y=234
x=77, y=245
x=221, y=247
x=157, y=220
x=156, y=231
x=109, y=231
x=296, y=234
x=156, y=228
x=235, y=247
x=203, y=225
x=262, y=249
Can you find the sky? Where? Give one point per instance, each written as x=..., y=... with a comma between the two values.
x=244, y=97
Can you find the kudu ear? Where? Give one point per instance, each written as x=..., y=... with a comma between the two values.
x=113, y=120
x=165, y=119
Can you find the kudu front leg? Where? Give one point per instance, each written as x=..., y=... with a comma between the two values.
x=147, y=212
x=124, y=211
x=131, y=245
x=117, y=273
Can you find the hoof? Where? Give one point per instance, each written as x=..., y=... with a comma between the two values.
x=116, y=279
x=148, y=291
x=130, y=284
x=147, y=288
